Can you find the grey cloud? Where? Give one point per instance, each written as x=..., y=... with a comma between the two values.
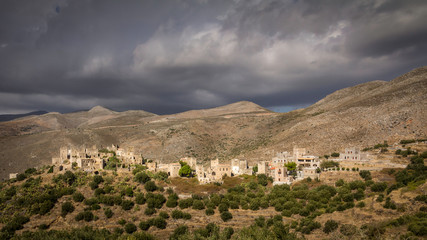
x=170, y=56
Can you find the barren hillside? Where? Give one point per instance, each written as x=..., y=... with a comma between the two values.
x=362, y=115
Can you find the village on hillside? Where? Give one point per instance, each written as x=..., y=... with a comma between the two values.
x=284, y=168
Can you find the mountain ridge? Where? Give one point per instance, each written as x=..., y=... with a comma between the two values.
x=362, y=115
x=10, y=117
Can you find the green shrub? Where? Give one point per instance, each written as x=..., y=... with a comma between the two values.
x=163, y=215
x=361, y=204
x=127, y=205
x=179, y=231
x=99, y=191
x=185, y=203
x=90, y=201
x=304, y=212
x=339, y=183
x=171, y=203
x=421, y=198
x=262, y=179
x=228, y=232
x=108, y=188
x=330, y=226
x=286, y=213
x=177, y=214
x=118, y=231
x=209, y=212
x=378, y=187
x=108, y=213
x=260, y=221
x=150, y=186
x=307, y=225
x=142, y=177
x=198, y=205
x=226, y=216
x=186, y=216
x=45, y=207
x=86, y=215
x=185, y=171
x=140, y=199
x=161, y=176
x=128, y=191
x=93, y=185
x=21, y=177
x=357, y=185
x=121, y=221
x=347, y=197
x=155, y=200
x=365, y=174
x=98, y=179
x=66, y=208
x=144, y=226
x=149, y=211
x=329, y=164
x=418, y=228
x=16, y=223
x=43, y=226
x=373, y=231
x=359, y=194
x=159, y=222
x=222, y=207
x=130, y=228
x=389, y=204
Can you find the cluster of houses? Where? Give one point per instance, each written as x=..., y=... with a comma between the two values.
x=92, y=159
x=306, y=166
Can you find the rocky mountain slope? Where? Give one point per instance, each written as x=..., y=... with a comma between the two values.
x=362, y=115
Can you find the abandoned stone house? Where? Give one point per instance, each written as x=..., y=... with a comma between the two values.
x=127, y=155
x=306, y=166
x=281, y=158
x=280, y=175
x=90, y=159
x=152, y=166
x=219, y=170
x=216, y=171
x=354, y=153
x=264, y=168
x=172, y=169
x=92, y=164
x=203, y=176
x=239, y=167
x=82, y=157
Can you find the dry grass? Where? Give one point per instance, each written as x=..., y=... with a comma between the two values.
x=192, y=186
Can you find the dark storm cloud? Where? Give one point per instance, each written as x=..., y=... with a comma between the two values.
x=170, y=56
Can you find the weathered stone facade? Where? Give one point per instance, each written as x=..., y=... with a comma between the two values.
x=91, y=159
x=354, y=153
x=172, y=169
x=306, y=166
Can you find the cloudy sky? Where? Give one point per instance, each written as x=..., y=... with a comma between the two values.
x=173, y=55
